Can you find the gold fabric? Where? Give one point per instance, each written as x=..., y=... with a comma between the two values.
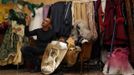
x=79, y=11
x=18, y=57
x=84, y=12
x=85, y=54
x=91, y=19
x=72, y=53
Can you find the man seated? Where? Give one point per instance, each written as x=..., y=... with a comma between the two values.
x=44, y=36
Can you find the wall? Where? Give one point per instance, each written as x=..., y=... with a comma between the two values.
x=45, y=1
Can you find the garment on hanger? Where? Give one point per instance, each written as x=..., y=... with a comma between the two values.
x=107, y=20
x=120, y=21
x=46, y=11
x=31, y=6
x=8, y=48
x=79, y=11
x=61, y=17
x=3, y=27
x=103, y=4
x=86, y=51
x=72, y=53
x=37, y=20
x=17, y=16
x=119, y=63
x=133, y=13
x=83, y=15
x=12, y=42
x=101, y=16
x=91, y=20
x=113, y=10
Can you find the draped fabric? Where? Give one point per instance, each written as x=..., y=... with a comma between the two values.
x=46, y=11
x=72, y=53
x=61, y=18
x=8, y=47
x=12, y=42
x=101, y=19
x=133, y=11
x=91, y=20
x=112, y=17
x=17, y=16
x=3, y=27
x=84, y=13
x=79, y=12
x=118, y=63
x=37, y=20
x=129, y=13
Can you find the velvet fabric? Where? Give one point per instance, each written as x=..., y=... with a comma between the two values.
x=3, y=27
x=61, y=16
x=113, y=17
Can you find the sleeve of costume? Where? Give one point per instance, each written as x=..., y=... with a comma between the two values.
x=30, y=33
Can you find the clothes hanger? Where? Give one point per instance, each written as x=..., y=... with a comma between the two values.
x=67, y=9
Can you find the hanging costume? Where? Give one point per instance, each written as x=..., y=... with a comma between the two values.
x=37, y=20
x=17, y=16
x=118, y=62
x=83, y=16
x=101, y=15
x=83, y=19
x=133, y=12
x=3, y=27
x=31, y=6
x=13, y=41
x=46, y=11
x=114, y=35
x=72, y=53
x=61, y=18
x=110, y=21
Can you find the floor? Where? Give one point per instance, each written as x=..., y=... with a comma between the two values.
x=91, y=70
x=20, y=72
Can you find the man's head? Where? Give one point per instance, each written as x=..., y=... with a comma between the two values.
x=46, y=23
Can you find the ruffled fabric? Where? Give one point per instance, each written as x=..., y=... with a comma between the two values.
x=118, y=63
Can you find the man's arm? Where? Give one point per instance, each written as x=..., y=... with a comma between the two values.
x=30, y=33
x=27, y=32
